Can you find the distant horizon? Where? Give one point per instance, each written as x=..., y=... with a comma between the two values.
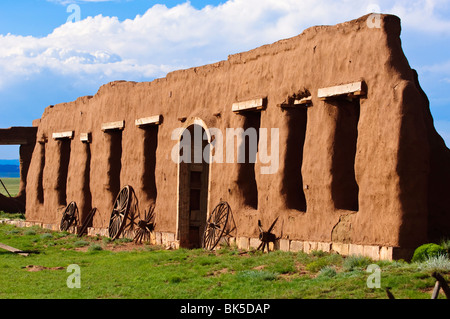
x=8, y=160
x=9, y=168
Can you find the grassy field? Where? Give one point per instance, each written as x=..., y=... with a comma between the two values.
x=122, y=269
x=12, y=184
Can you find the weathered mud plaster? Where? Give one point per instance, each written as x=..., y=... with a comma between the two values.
x=361, y=164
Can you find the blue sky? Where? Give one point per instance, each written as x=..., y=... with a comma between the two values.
x=46, y=60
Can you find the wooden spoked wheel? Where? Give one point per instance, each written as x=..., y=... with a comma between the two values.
x=216, y=225
x=69, y=216
x=86, y=222
x=120, y=212
x=146, y=226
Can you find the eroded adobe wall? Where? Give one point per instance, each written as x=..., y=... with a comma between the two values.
x=365, y=165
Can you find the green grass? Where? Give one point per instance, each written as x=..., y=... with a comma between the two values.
x=144, y=271
x=12, y=185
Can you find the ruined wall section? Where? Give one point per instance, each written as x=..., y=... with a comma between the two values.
x=381, y=204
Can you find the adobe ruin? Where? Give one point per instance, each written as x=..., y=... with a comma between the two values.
x=361, y=168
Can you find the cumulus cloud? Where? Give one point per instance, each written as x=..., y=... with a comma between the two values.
x=441, y=68
x=164, y=39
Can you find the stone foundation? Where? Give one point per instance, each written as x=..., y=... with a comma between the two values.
x=168, y=240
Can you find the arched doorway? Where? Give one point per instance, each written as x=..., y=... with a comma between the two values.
x=193, y=186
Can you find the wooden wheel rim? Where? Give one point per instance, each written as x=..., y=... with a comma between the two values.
x=216, y=225
x=68, y=217
x=120, y=212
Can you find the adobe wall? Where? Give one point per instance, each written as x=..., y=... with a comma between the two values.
x=400, y=164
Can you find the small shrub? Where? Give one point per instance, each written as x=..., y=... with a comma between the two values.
x=304, y=258
x=327, y=260
x=426, y=251
x=123, y=240
x=393, y=264
x=316, y=265
x=46, y=236
x=284, y=268
x=80, y=243
x=356, y=262
x=30, y=232
x=95, y=247
x=327, y=272
x=62, y=234
x=154, y=247
x=318, y=253
x=440, y=263
x=13, y=232
x=257, y=275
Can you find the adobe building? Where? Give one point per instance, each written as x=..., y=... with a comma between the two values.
x=361, y=169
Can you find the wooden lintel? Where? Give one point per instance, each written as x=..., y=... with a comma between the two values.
x=251, y=105
x=293, y=103
x=151, y=120
x=63, y=135
x=18, y=135
x=85, y=137
x=351, y=89
x=119, y=125
x=304, y=101
x=15, y=142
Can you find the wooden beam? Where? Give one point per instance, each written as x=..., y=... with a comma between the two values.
x=437, y=287
x=63, y=135
x=293, y=103
x=151, y=120
x=442, y=283
x=13, y=250
x=251, y=105
x=85, y=137
x=119, y=125
x=350, y=89
x=306, y=101
x=18, y=135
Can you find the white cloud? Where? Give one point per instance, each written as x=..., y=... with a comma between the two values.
x=439, y=68
x=425, y=15
x=165, y=39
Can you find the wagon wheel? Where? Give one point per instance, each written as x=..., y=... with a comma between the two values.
x=266, y=237
x=120, y=212
x=216, y=225
x=145, y=226
x=69, y=216
x=86, y=222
